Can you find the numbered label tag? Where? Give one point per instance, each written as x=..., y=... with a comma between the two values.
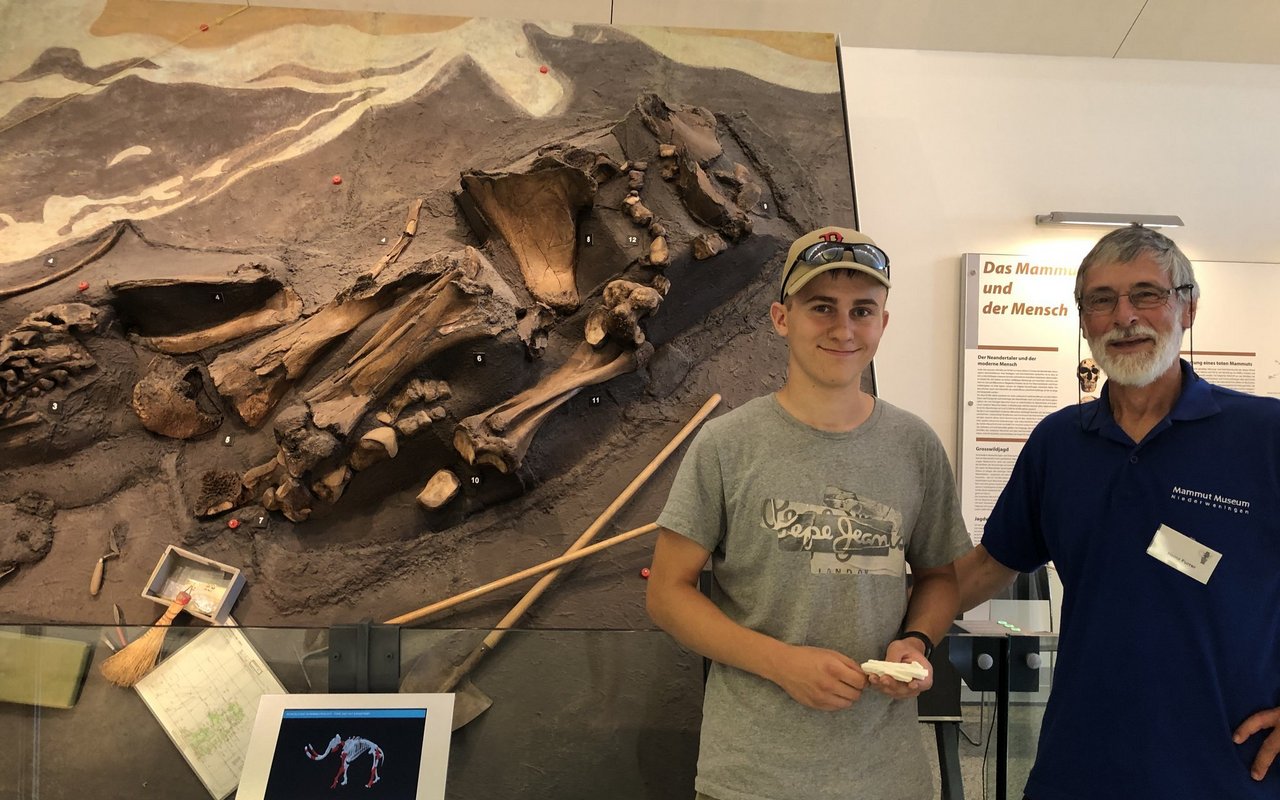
x=55, y=406
x=259, y=520
x=588, y=240
x=217, y=297
x=595, y=400
x=478, y=358
x=633, y=240
x=226, y=440
x=475, y=480
x=383, y=240
x=50, y=261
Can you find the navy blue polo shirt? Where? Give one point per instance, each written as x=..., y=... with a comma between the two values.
x=1155, y=670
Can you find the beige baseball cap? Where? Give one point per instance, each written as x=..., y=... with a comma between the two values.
x=845, y=249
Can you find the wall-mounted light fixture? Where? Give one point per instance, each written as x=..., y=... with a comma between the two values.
x=1108, y=220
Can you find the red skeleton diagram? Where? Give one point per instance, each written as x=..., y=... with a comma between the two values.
x=350, y=750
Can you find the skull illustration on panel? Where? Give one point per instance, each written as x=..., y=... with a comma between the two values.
x=1087, y=374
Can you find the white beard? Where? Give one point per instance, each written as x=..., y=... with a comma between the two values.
x=1136, y=369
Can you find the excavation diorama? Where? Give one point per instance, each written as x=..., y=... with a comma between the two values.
x=373, y=309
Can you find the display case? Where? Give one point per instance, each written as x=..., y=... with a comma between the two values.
x=573, y=714
x=567, y=713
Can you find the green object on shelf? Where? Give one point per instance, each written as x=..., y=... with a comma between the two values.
x=42, y=670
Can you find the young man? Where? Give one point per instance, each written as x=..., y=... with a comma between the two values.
x=809, y=503
x=1159, y=504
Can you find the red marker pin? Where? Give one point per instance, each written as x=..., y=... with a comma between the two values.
x=337, y=180
x=204, y=26
x=83, y=287
x=233, y=524
x=544, y=69
x=644, y=573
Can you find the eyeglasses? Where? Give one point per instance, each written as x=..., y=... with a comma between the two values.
x=816, y=255
x=1147, y=297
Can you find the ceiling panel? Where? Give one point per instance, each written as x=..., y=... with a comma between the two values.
x=1244, y=31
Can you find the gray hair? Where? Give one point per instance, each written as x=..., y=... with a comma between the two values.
x=1126, y=244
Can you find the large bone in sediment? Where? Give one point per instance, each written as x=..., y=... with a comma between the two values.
x=536, y=213
x=501, y=436
x=44, y=352
x=170, y=400
x=176, y=305
x=253, y=378
x=468, y=302
x=706, y=203
x=281, y=308
x=460, y=306
x=689, y=128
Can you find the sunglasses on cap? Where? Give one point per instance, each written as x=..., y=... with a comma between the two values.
x=817, y=255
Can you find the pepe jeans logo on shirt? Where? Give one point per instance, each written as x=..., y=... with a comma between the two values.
x=1210, y=500
x=845, y=534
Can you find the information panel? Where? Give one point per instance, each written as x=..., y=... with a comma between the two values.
x=1022, y=355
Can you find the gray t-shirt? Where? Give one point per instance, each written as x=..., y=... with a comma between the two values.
x=809, y=533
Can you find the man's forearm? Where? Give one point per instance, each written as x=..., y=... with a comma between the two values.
x=934, y=603
x=981, y=577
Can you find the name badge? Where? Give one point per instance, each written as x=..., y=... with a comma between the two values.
x=1184, y=554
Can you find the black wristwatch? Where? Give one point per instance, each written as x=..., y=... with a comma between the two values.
x=925, y=640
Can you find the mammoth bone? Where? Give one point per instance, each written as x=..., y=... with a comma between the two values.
x=254, y=378
x=618, y=316
x=469, y=301
x=44, y=353
x=534, y=204
x=501, y=436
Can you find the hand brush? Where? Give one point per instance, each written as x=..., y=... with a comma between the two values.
x=127, y=667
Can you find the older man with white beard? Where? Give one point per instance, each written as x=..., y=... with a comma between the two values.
x=1160, y=508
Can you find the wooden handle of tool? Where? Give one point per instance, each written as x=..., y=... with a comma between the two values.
x=175, y=608
x=521, y=575
x=606, y=516
x=95, y=581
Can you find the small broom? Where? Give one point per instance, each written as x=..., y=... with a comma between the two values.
x=135, y=660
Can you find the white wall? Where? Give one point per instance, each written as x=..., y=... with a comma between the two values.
x=957, y=152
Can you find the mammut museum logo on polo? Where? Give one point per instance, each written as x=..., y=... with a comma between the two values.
x=1210, y=499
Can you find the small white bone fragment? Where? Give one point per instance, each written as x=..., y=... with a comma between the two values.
x=410, y=425
x=376, y=445
x=442, y=488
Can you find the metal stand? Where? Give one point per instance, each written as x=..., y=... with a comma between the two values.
x=364, y=658
x=941, y=707
x=997, y=658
